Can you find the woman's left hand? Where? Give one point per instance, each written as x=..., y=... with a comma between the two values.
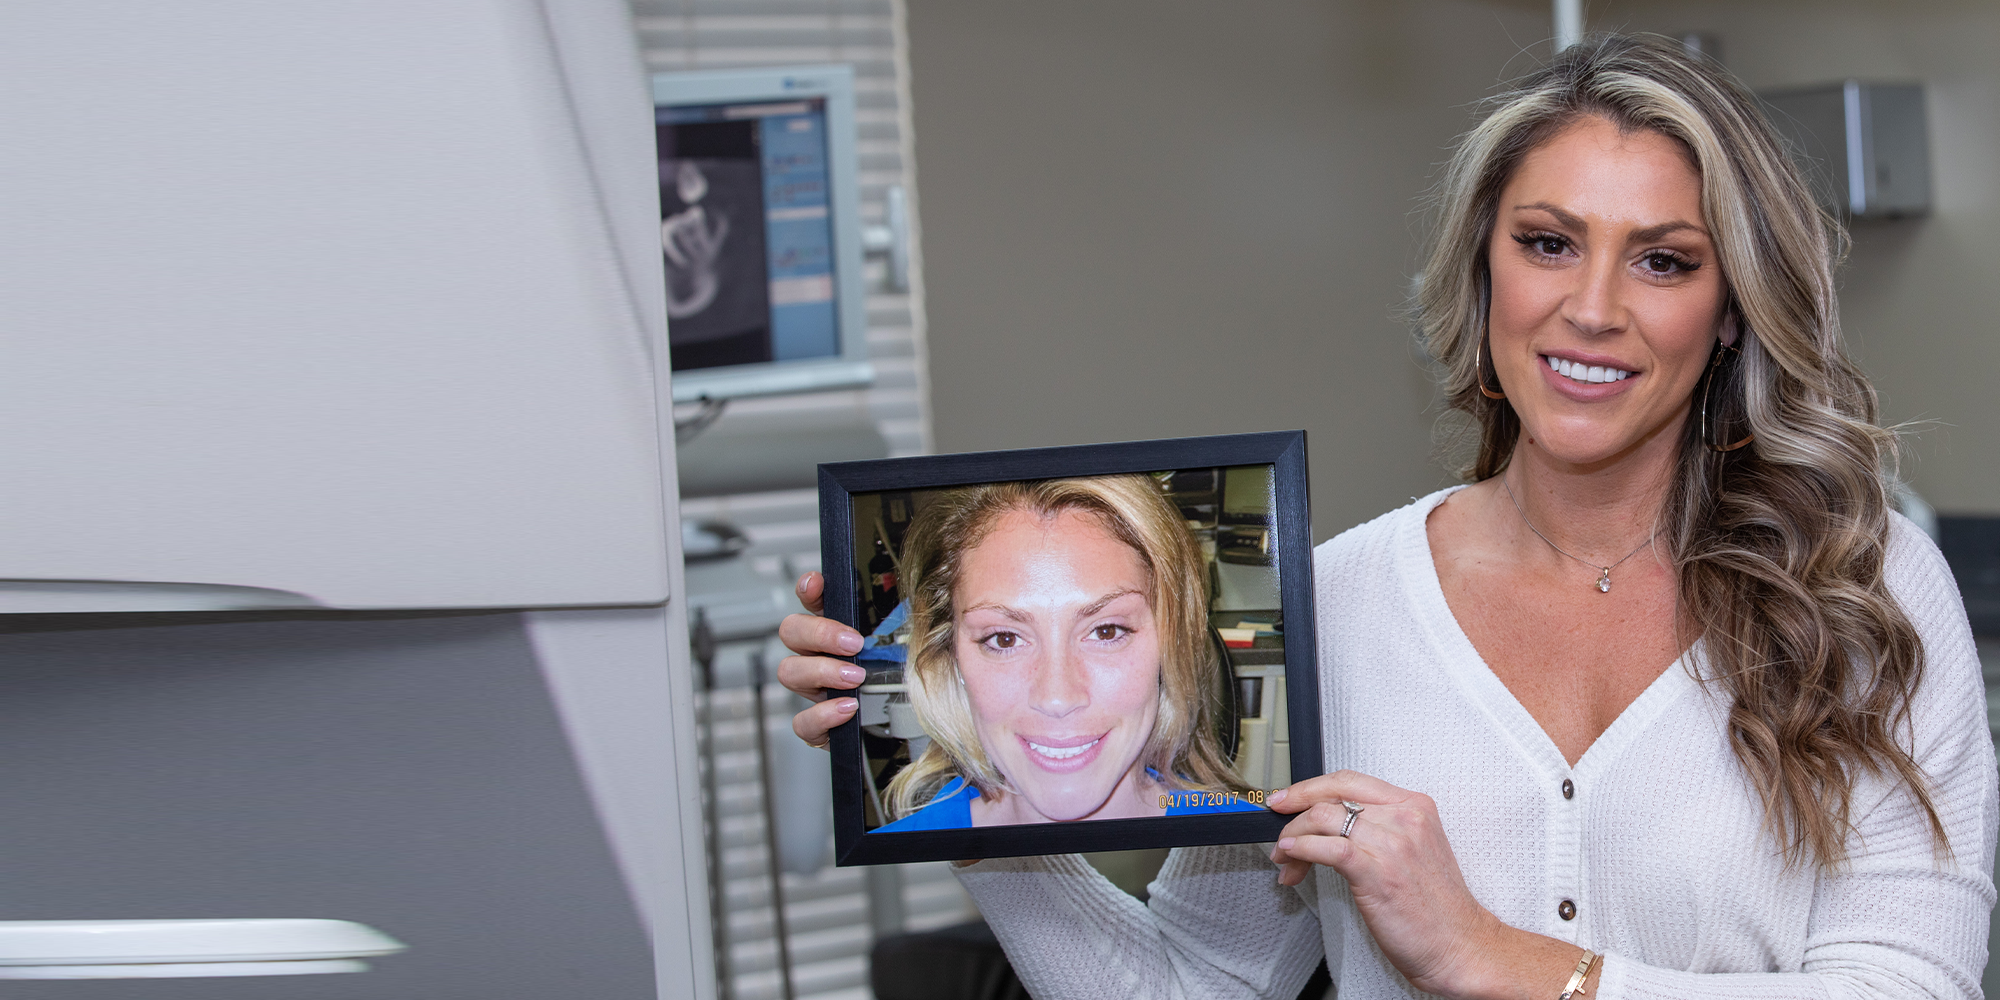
x=1405, y=879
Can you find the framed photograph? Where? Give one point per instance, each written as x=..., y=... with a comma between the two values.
x=1092, y=648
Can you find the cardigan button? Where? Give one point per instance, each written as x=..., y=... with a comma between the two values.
x=1569, y=789
x=1566, y=910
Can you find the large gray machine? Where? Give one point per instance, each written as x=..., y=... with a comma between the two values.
x=339, y=533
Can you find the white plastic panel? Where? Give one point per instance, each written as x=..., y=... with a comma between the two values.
x=624, y=690
x=330, y=301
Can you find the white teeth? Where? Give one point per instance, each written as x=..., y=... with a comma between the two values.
x=1060, y=753
x=1586, y=373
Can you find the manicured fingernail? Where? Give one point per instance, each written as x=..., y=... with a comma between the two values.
x=1277, y=796
x=853, y=674
x=849, y=642
x=1288, y=843
x=846, y=705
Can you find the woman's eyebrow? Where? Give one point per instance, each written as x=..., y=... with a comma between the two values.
x=1567, y=218
x=1651, y=233
x=1027, y=618
x=1099, y=604
x=1646, y=235
x=1004, y=611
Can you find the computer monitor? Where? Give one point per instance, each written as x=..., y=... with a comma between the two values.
x=759, y=221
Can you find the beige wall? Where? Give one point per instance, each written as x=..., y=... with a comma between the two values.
x=1920, y=299
x=1159, y=218
x=1145, y=219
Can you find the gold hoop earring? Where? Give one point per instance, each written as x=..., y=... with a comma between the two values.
x=1714, y=369
x=1479, y=372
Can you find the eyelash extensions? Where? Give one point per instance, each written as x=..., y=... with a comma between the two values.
x=1529, y=240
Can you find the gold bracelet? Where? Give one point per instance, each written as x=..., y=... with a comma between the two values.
x=1575, y=985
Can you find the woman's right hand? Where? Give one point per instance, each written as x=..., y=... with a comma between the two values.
x=818, y=641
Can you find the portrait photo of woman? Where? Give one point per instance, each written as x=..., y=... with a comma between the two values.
x=1058, y=657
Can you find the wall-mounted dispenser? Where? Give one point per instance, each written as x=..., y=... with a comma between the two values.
x=1865, y=147
x=318, y=324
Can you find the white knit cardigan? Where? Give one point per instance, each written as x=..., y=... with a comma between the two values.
x=1662, y=850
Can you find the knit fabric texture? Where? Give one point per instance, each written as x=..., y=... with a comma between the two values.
x=1662, y=851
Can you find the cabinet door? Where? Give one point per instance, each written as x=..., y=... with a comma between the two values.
x=340, y=305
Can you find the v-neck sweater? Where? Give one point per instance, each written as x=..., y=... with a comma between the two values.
x=1658, y=857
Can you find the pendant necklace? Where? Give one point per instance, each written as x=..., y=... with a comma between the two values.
x=1603, y=572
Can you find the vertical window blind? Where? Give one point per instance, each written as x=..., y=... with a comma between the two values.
x=829, y=918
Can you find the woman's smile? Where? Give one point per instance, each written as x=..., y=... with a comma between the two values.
x=1588, y=370
x=1064, y=755
x=1585, y=377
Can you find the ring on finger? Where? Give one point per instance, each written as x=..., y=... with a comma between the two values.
x=1353, y=810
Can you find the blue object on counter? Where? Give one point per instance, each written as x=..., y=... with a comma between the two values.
x=879, y=649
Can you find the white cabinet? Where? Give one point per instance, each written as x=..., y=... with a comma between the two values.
x=343, y=305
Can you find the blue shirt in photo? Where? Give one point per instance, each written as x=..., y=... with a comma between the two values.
x=951, y=808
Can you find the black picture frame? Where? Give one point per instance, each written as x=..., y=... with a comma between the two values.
x=1284, y=451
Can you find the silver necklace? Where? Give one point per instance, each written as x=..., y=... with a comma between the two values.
x=1603, y=572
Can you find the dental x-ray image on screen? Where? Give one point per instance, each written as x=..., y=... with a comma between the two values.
x=1065, y=656
x=745, y=197
x=761, y=231
x=712, y=229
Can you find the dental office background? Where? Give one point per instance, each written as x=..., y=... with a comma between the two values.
x=1131, y=219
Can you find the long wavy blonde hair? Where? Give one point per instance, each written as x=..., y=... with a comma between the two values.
x=1778, y=545
x=1183, y=749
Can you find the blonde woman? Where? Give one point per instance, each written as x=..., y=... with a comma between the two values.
x=1059, y=658
x=1667, y=703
